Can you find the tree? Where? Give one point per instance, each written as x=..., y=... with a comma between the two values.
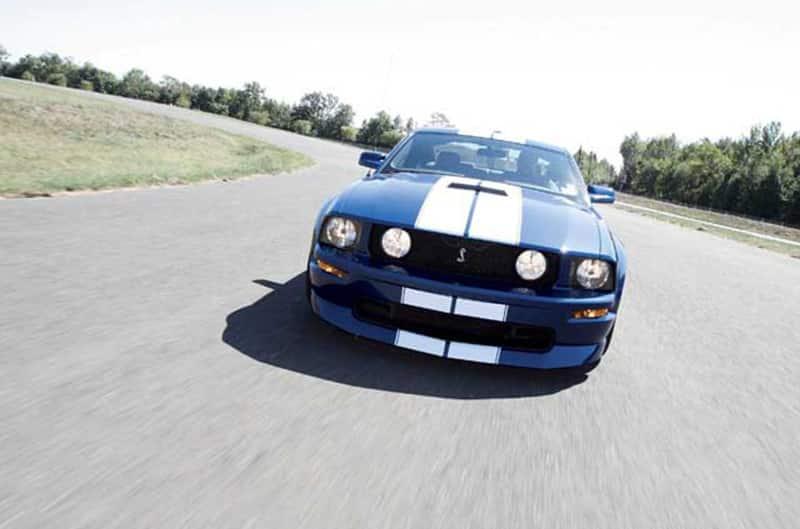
x=246, y=101
x=765, y=200
x=183, y=101
x=348, y=133
x=39, y=67
x=280, y=114
x=439, y=120
x=372, y=129
x=3, y=59
x=103, y=81
x=390, y=138
x=595, y=171
x=757, y=174
x=302, y=126
x=174, y=92
x=326, y=113
x=314, y=107
x=792, y=208
x=77, y=77
x=138, y=85
x=57, y=78
x=202, y=98
x=630, y=150
x=222, y=101
x=341, y=118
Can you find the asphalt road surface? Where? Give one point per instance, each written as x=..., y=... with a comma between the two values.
x=159, y=368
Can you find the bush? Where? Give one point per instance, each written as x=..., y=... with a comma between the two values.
x=372, y=129
x=302, y=126
x=58, y=79
x=86, y=85
x=27, y=76
x=183, y=101
x=390, y=138
x=348, y=133
x=259, y=116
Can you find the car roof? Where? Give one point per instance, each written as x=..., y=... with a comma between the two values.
x=495, y=135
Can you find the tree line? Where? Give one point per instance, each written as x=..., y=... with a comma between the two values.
x=316, y=114
x=595, y=170
x=756, y=175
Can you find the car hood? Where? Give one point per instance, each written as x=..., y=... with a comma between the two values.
x=476, y=209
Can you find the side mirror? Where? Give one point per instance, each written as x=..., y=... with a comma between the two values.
x=601, y=194
x=373, y=160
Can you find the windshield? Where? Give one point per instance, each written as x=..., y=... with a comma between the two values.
x=489, y=159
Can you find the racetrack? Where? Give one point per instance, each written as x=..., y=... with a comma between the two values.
x=159, y=368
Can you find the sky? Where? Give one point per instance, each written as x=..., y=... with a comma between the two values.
x=570, y=73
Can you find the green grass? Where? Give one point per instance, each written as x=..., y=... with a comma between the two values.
x=56, y=140
x=725, y=219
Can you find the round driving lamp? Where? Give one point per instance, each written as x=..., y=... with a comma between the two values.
x=531, y=265
x=396, y=242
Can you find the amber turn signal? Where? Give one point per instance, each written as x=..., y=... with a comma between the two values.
x=327, y=267
x=589, y=314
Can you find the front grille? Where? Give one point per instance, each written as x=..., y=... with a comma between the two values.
x=454, y=327
x=436, y=252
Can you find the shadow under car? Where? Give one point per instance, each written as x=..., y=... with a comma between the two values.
x=279, y=329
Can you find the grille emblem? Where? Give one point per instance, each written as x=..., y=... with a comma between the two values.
x=462, y=255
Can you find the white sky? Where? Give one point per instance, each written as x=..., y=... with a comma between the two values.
x=570, y=73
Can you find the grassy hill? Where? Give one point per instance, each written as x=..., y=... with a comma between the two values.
x=55, y=140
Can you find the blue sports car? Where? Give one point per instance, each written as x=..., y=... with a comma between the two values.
x=471, y=248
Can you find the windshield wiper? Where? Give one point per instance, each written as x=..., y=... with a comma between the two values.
x=426, y=171
x=573, y=198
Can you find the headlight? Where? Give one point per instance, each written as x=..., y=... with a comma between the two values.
x=531, y=265
x=593, y=274
x=396, y=242
x=340, y=232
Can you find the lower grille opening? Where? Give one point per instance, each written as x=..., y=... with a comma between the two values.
x=454, y=327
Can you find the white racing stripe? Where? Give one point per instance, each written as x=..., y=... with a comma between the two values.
x=464, y=307
x=426, y=300
x=446, y=209
x=419, y=342
x=481, y=309
x=496, y=217
x=488, y=354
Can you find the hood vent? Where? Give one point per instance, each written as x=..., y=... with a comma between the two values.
x=478, y=188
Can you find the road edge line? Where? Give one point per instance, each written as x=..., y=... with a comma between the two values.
x=712, y=224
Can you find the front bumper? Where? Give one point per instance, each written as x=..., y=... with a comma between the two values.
x=466, y=322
